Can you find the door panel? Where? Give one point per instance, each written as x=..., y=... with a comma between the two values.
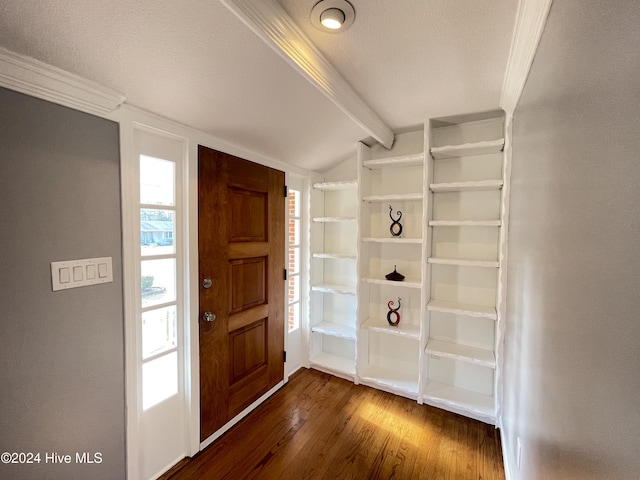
x=248, y=282
x=241, y=249
x=247, y=348
x=248, y=216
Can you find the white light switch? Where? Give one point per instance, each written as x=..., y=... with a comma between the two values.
x=63, y=275
x=102, y=270
x=80, y=273
x=91, y=272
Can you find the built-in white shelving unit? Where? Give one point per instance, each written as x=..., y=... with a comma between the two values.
x=466, y=220
x=389, y=356
x=332, y=342
x=446, y=350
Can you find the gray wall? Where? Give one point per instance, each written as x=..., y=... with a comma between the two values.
x=61, y=353
x=573, y=340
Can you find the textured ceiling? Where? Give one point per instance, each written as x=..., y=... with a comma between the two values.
x=196, y=63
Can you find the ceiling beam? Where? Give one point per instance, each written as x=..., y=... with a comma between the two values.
x=268, y=20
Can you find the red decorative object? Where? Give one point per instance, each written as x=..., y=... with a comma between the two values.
x=393, y=311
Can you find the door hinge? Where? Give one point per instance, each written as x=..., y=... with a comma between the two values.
x=286, y=191
x=284, y=356
x=286, y=274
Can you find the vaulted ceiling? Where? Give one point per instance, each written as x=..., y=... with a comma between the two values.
x=197, y=63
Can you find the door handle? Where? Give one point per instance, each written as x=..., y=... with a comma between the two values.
x=209, y=316
x=206, y=283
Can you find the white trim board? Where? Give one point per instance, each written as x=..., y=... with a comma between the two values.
x=33, y=77
x=530, y=21
x=268, y=20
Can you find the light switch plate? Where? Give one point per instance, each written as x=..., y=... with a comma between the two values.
x=80, y=273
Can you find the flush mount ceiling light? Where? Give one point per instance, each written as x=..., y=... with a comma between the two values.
x=332, y=15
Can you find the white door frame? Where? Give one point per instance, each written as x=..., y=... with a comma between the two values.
x=130, y=118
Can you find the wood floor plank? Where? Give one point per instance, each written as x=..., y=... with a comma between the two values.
x=322, y=427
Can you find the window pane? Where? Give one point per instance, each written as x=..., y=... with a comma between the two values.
x=294, y=316
x=294, y=203
x=159, y=379
x=157, y=180
x=294, y=260
x=294, y=288
x=158, y=281
x=157, y=229
x=158, y=331
x=294, y=232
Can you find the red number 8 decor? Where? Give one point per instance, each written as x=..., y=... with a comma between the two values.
x=393, y=311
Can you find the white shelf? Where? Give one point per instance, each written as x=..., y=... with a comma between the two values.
x=402, y=330
x=335, y=330
x=466, y=309
x=396, y=197
x=333, y=288
x=406, y=283
x=339, y=256
x=467, y=186
x=392, y=240
x=463, y=263
x=400, y=161
x=333, y=219
x=465, y=353
x=447, y=395
x=465, y=223
x=468, y=149
x=391, y=379
x=334, y=362
x=342, y=185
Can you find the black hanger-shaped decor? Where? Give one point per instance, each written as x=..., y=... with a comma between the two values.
x=396, y=227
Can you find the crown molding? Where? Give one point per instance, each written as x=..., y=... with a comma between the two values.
x=268, y=20
x=27, y=75
x=530, y=21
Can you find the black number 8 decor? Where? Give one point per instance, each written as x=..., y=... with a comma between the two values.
x=396, y=226
x=393, y=311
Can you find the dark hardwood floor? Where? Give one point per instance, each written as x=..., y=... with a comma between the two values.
x=322, y=427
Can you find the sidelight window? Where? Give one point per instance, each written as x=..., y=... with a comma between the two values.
x=294, y=269
x=158, y=280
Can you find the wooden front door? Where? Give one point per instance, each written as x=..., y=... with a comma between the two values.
x=241, y=214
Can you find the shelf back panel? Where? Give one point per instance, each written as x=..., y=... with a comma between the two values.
x=470, y=205
x=466, y=169
x=461, y=374
x=471, y=285
x=474, y=332
x=469, y=243
x=468, y=132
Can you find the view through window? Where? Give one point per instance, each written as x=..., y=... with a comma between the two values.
x=293, y=319
x=158, y=280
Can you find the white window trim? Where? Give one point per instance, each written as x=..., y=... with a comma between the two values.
x=131, y=273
